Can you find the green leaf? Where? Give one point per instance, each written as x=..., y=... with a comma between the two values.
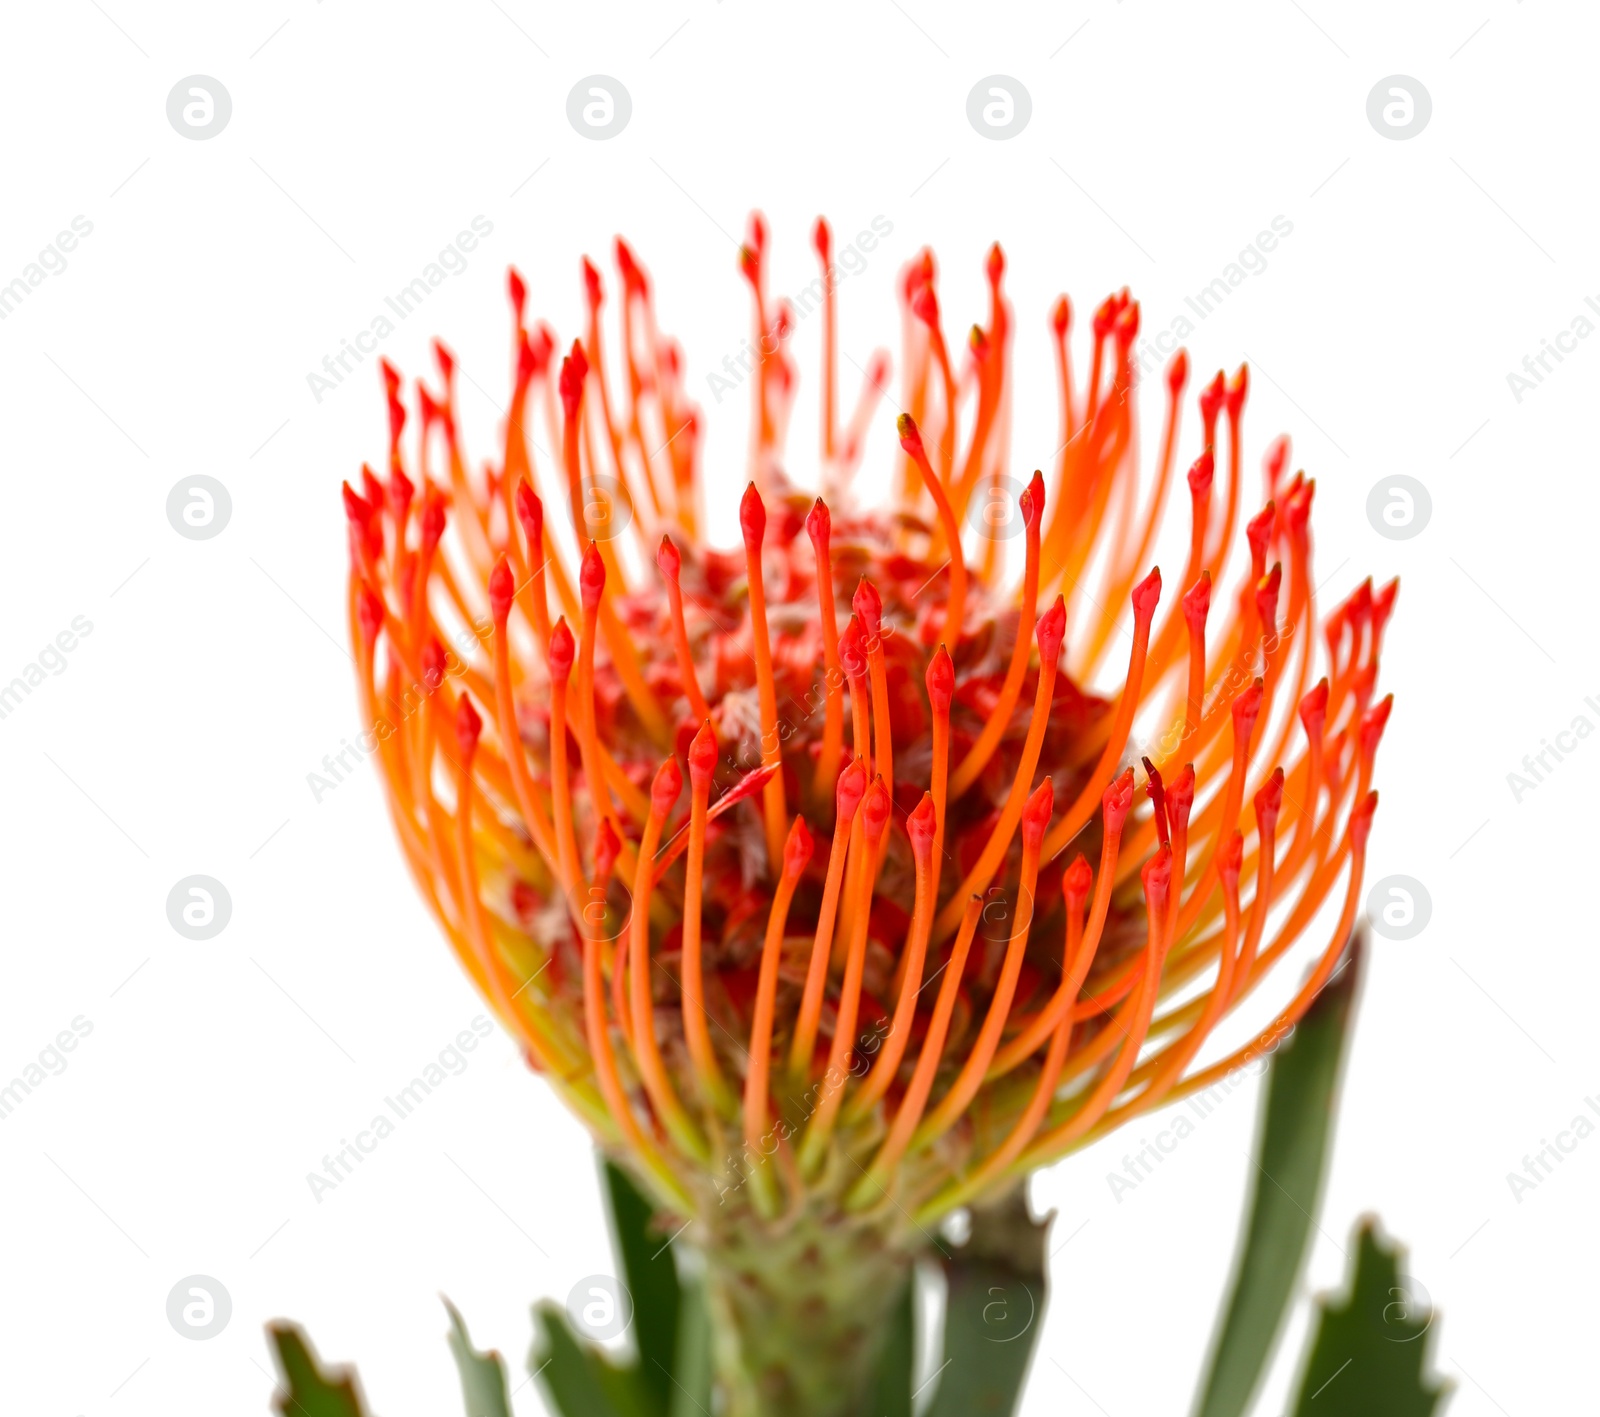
x=483, y=1375
x=308, y=1390
x=690, y=1379
x=650, y=1271
x=578, y=1379
x=1292, y=1137
x=1369, y=1353
x=993, y=1313
x=892, y=1397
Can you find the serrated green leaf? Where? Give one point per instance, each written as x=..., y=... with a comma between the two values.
x=650, y=1271
x=690, y=1379
x=993, y=1312
x=578, y=1378
x=892, y=1397
x=1368, y=1356
x=1297, y=1113
x=308, y=1389
x=483, y=1375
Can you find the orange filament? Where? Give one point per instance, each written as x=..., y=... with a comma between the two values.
x=593, y=581
x=917, y=364
x=696, y=1032
x=1196, y=606
x=819, y=526
x=1060, y=326
x=1233, y=402
x=619, y=988
x=851, y=789
x=560, y=788
x=623, y=652
x=490, y=961
x=670, y=563
x=1117, y=803
x=1245, y=710
x=822, y=240
x=753, y=521
x=853, y=659
x=1200, y=480
x=955, y=606
x=1258, y=534
x=869, y=611
x=515, y=488
x=853, y=656
x=1145, y=595
x=1104, y=315
x=1075, y=960
x=966, y=1085
x=530, y=513
x=366, y=616
x=443, y=854
x=1229, y=967
x=746, y=787
x=599, y=1036
x=1268, y=802
x=1177, y=381
x=761, y=423
x=873, y=383
x=875, y=1182
x=510, y=736
x=597, y=368
x=1179, y=801
x=1157, y=877
x=1294, y=1011
x=999, y=719
x=646, y=1051
x=796, y=853
x=921, y=828
x=574, y=370
x=1051, y=630
x=925, y=306
x=990, y=351
x=875, y=811
x=940, y=681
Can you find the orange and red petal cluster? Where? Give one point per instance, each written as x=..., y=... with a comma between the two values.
x=815, y=871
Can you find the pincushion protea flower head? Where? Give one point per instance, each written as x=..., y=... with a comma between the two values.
x=812, y=874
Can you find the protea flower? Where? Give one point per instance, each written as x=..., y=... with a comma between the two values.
x=838, y=882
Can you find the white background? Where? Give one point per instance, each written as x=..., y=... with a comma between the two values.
x=178, y=739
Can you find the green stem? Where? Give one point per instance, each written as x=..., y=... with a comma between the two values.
x=799, y=1317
